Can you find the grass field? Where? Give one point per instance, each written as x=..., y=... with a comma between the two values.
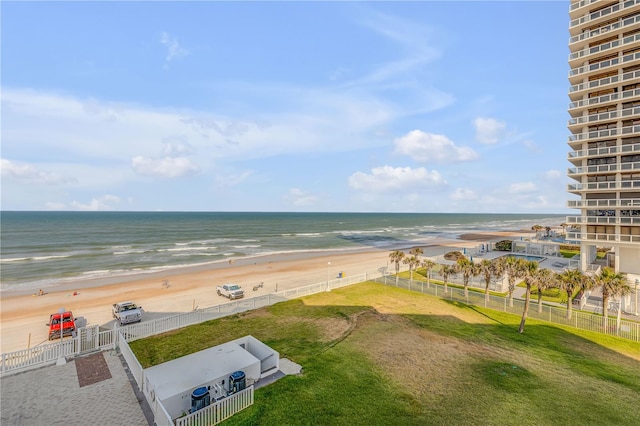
x=377, y=355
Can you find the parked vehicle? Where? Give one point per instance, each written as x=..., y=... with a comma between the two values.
x=64, y=321
x=127, y=312
x=232, y=291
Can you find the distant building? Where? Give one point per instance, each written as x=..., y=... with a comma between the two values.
x=604, y=94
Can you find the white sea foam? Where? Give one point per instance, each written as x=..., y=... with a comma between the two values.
x=34, y=258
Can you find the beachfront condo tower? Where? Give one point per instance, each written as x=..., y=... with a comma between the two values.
x=604, y=92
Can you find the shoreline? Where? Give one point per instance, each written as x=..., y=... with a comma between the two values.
x=80, y=282
x=24, y=314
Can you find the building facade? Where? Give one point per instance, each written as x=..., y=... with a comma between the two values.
x=604, y=92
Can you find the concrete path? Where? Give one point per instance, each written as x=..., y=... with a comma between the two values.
x=53, y=396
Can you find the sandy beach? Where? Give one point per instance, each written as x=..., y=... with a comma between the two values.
x=24, y=315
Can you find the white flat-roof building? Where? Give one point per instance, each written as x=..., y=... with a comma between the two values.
x=169, y=386
x=604, y=94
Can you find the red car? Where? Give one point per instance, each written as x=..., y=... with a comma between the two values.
x=64, y=320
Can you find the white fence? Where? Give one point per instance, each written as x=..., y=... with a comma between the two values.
x=558, y=315
x=134, y=366
x=219, y=410
x=86, y=341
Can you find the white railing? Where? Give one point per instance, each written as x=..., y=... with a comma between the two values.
x=603, y=220
x=628, y=202
x=579, y=4
x=554, y=314
x=48, y=354
x=604, y=168
x=603, y=12
x=605, y=98
x=593, y=50
x=594, y=67
x=631, y=75
x=601, y=65
x=218, y=411
x=604, y=116
x=128, y=355
x=615, y=238
x=609, y=150
x=632, y=20
x=594, y=186
x=605, y=133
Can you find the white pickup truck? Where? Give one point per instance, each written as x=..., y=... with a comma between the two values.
x=232, y=291
x=127, y=312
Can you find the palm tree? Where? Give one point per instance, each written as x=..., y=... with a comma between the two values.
x=446, y=271
x=612, y=284
x=468, y=268
x=428, y=266
x=536, y=229
x=564, y=228
x=396, y=257
x=486, y=268
x=413, y=262
x=546, y=280
x=569, y=280
x=416, y=251
x=514, y=268
x=530, y=278
x=498, y=268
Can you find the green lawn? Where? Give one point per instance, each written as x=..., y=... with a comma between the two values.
x=378, y=355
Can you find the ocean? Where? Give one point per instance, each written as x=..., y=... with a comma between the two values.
x=41, y=249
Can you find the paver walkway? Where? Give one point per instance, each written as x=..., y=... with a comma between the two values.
x=53, y=395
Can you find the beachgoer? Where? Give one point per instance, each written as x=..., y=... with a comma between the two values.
x=41, y=292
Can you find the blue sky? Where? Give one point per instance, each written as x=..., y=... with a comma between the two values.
x=285, y=106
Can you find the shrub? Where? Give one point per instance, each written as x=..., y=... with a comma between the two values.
x=504, y=245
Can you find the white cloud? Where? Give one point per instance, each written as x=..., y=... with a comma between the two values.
x=429, y=147
x=522, y=188
x=532, y=146
x=229, y=180
x=388, y=179
x=51, y=205
x=29, y=174
x=176, y=149
x=174, y=50
x=300, y=198
x=320, y=121
x=105, y=202
x=553, y=175
x=489, y=130
x=463, y=194
x=168, y=167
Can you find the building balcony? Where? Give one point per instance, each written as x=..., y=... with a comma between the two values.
x=602, y=48
x=580, y=4
x=574, y=172
x=578, y=89
x=603, y=65
x=603, y=220
x=605, y=116
x=606, y=133
x=603, y=186
x=613, y=238
x=604, y=31
x=604, y=99
x=598, y=152
x=616, y=202
x=608, y=13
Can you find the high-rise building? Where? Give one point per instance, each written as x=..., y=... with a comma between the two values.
x=604, y=92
